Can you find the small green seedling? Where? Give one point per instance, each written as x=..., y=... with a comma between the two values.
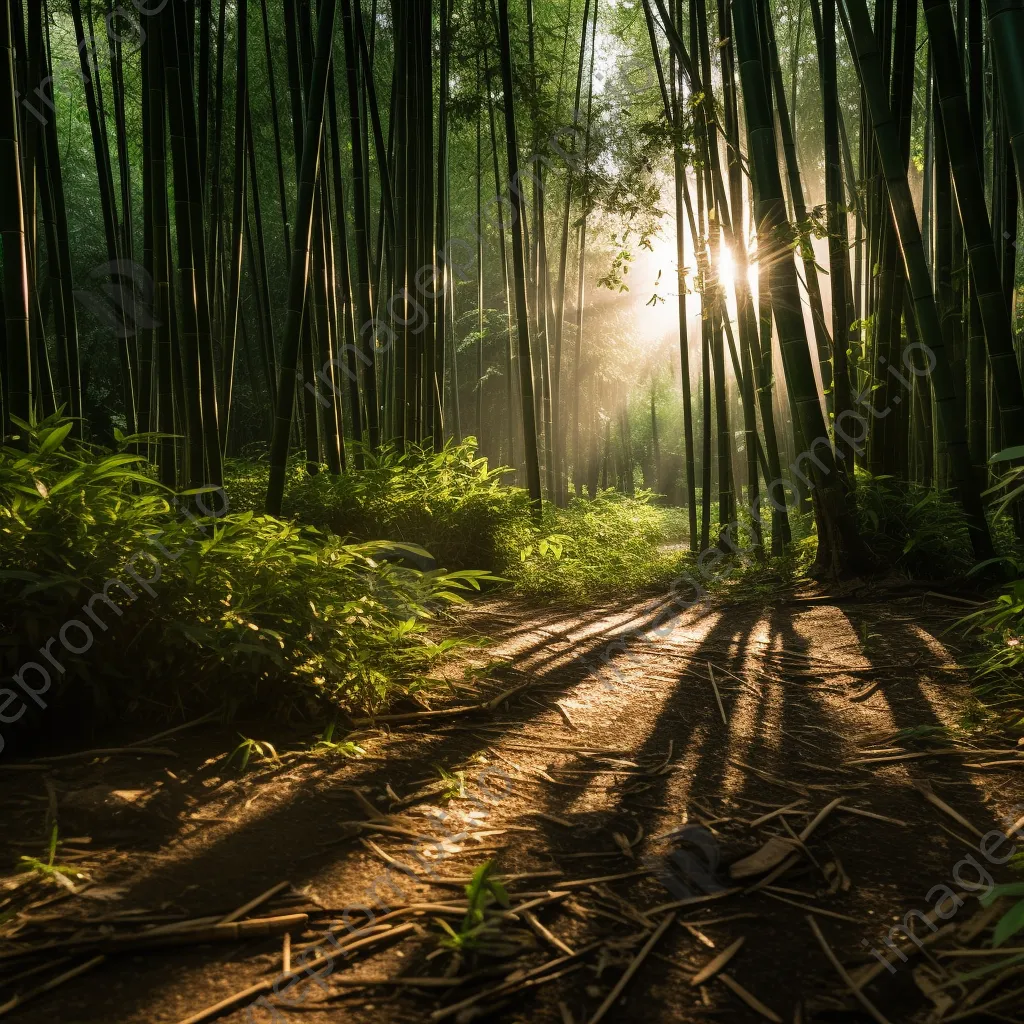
x=59, y=873
x=249, y=749
x=483, y=890
x=454, y=781
x=326, y=744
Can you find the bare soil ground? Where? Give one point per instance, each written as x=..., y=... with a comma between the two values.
x=621, y=728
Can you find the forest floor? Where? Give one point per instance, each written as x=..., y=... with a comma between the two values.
x=576, y=785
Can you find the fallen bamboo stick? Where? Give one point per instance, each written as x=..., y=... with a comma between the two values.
x=460, y=881
x=749, y=998
x=249, y=907
x=510, y=692
x=693, y=900
x=229, y=931
x=936, y=801
x=178, y=728
x=718, y=963
x=205, y=932
x=634, y=966
x=268, y=985
x=516, y=981
x=774, y=814
x=106, y=752
x=417, y=716
x=842, y=972
x=20, y=1000
x=548, y=936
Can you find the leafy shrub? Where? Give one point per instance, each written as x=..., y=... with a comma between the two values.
x=595, y=548
x=912, y=529
x=999, y=664
x=1012, y=921
x=764, y=579
x=210, y=610
x=1009, y=482
x=449, y=502
x=999, y=625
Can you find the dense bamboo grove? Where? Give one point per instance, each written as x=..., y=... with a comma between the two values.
x=306, y=230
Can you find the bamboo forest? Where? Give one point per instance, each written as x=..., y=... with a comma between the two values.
x=511, y=510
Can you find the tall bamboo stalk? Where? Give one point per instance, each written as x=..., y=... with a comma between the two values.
x=298, y=279
x=949, y=408
x=365, y=326
x=519, y=266
x=839, y=546
x=17, y=375
x=231, y=319
x=961, y=138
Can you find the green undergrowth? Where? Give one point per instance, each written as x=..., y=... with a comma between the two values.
x=609, y=546
x=449, y=502
x=232, y=610
x=456, y=506
x=760, y=578
x=911, y=530
x=997, y=627
x=907, y=531
x=332, y=604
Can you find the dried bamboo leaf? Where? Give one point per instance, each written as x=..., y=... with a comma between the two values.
x=749, y=998
x=712, y=967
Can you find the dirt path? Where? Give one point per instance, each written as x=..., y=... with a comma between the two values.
x=614, y=742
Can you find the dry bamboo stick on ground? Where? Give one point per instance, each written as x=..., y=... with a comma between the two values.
x=814, y=910
x=364, y=931
x=260, y=927
x=510, y=692
x=547, y=936
x=205, y=933
x=406, y=982
x=20, y=1000
x=32, y=971
x=861, y=812
x=778, y=872
x=517, y=980
x=539, y=901
x=417, y=716
x=249, y=907
x=713, y=966
x=181, y=926
x=106, y=752
x=718, y=696
x=371, y=811
x=632, y=969
x=749, y=998
x=774, y=814
x=178, y=728
x=693, y=900
x=570, y=724
x=956, y=954
x=406, y=869
x=926, y=791
x=268, y=985
x=460, y=881
x=942, y=752
x=395, y=830
x=842, y=972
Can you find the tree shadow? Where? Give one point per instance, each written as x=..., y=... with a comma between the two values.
x=790, y=725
